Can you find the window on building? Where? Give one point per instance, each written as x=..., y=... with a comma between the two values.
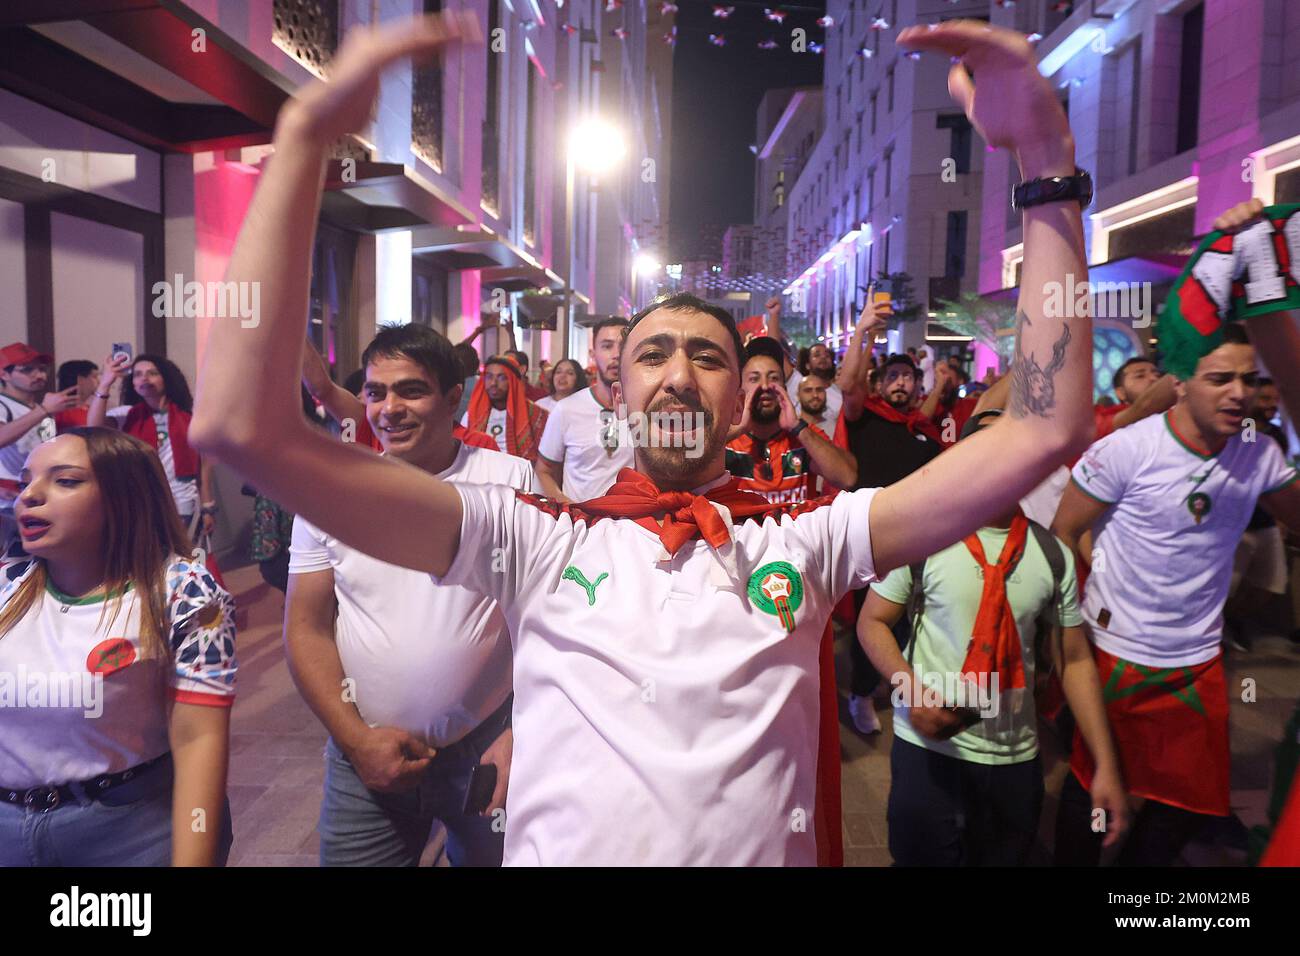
x=889, y=86
x=959, y=142
x=859, y=131
x=530, y=167
x=884, y=258
x=1189, y=78
x=491, y=142
x=889, y=171
x=954, y=258
x=871, y=191
x=875, y=98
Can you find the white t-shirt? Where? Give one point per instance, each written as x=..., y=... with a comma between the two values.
x=834, y=399
x=14, y=455
x=661, y=716
x=1040, y=504
x=433, y=661
x=185, y=492
x=496, y=426
x=112, y=705
x=546, y=404
x=1159, y=576
x=573, y=437
x=927, y=373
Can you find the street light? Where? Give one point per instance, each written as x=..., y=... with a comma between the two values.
x=596, y=147
x=642, y=265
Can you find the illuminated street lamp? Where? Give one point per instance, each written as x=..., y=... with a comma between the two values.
x=595, y=147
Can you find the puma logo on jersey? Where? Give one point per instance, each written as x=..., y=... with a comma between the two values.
x=577, y=577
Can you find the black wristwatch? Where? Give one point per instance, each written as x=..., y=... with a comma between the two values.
x=799, y=426
x=1035, y=192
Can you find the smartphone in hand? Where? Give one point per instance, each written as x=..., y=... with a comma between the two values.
x=122, y=351
x=478, y=793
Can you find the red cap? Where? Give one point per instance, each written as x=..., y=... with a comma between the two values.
x=20, y=353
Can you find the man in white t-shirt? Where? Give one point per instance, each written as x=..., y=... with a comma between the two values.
x=424, y=670
x=585, y=444
x=666, y=635
x=26, y=419
x=1167, y=500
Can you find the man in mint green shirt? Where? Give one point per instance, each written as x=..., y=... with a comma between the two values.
x=967, y=785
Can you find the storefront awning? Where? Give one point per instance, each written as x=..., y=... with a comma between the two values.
x=457, y=248
x=520, y=278
x=374, y=197
x=127, y=66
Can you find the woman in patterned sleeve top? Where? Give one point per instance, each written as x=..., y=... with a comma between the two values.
x=117, y=668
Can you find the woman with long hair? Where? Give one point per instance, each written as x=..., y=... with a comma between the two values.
x=566, y=378
x=119, y=649
x=158, y=405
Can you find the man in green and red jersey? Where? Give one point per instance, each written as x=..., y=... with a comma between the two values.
x=775, y=451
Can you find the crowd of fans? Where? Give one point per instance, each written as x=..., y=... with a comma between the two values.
x=469, y=526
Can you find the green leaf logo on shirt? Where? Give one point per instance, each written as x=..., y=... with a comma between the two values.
x=577, y=577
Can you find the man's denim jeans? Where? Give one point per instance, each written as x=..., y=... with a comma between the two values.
x=361, y=827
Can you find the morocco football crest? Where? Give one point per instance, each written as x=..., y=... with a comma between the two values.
x=777, y=588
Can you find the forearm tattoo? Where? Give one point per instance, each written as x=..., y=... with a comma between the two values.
x=1033, y=387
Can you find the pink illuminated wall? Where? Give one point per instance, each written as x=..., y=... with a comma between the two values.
x=222, y=192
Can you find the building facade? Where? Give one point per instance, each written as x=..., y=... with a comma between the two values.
x=1179, y=110
x=132, y=137
x=893, y=183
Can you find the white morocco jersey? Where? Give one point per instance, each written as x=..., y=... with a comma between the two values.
x=433, y=661
x=664, y=715
x=1162, y=553
x=576, y=435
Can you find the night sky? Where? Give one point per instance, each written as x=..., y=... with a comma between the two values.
x=716, y=91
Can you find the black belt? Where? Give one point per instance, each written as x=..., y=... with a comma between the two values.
x=45, y=799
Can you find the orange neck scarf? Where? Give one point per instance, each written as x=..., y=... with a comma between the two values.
x=995, y=641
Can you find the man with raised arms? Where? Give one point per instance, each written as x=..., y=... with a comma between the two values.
x=665, y=635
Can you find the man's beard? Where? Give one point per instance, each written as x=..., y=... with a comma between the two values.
x=765, y=414
x=892, y=397
x=608, y=375
x=671, y=467
x=814, y=408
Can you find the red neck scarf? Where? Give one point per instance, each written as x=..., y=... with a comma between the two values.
x=995, y=642
x=524, y=420
x=685, y=514
x=914, y=420
x=139, y=422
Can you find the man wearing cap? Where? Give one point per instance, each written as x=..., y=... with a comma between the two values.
x=776, y=452
x=500, y=408
x=26, y=417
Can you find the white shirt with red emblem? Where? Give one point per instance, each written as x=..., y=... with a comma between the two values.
x=663, y=713
x=79, y=696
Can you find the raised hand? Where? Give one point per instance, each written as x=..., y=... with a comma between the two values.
x=55, y=402
x=875, y=318
x=1242, y=214
x=789, y=415
x=324, y=111
x=1009, y=102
